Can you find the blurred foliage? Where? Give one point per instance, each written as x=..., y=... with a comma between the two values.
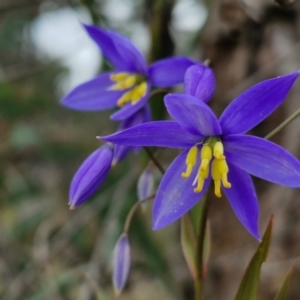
x=46, y=249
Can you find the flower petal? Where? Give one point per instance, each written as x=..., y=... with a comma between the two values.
x=199, y=81
x=255, y=104
x=90, y=175
x=129, y=109
x=117, y=49
x=243, y=199
x=263, y=159
x=161, y=133
x=192, y=114
x=175, y=195
x=170, y=71
x=121, y=263
x=120, y=152
x=92, y=95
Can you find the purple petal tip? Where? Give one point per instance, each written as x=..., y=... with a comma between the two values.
x=90, y=175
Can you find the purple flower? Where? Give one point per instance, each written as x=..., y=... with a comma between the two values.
x=217, y=149
x=128, y=87
x=90, y=175
x=121, y=263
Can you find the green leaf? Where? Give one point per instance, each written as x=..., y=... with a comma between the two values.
x=189, y=243
x=281, y=295
x=189, y=231
x=249, y=283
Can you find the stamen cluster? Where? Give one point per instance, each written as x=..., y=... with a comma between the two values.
x=136, y=84
x=212, y=147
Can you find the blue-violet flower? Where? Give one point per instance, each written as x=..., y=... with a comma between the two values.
x=217, y=149
x=129, y=85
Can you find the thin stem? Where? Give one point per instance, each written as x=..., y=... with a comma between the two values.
x=132, y=211
x=199, y=280
x=155, y=161
x=283, y=124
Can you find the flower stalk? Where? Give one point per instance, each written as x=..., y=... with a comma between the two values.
x=199, y=278
x=283, y=124
x=132, y=211
x=154, y=160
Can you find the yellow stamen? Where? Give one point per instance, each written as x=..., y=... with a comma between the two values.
x=206, y=155
x=133, y=95
x=139, y=92
x=202, y=175
x=190, y=161
x=119, y=76
x=126, y=97
x=216, y=176
x=124, y=84
x=223, y=169
x=219, y=150
x=218, y=188
x=219, y=170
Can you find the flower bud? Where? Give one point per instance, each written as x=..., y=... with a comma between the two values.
x=90, y=175
x=121, y=263
x=202, y=88
x=145, y=186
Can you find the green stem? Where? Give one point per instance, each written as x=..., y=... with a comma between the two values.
x=199, y=279
x=283, y=124
x=155, y=161
x=132, y=211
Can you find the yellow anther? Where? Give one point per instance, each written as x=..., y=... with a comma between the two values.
x=126, y=97
x=206, y=155
x=219, y=170
x=219, y=151
x=223, y=168
x=218, y=188
x=190, y=161
x=216, y=176
x=119, y=76
x=127, y=83
x=202, y=175
x=139, y=92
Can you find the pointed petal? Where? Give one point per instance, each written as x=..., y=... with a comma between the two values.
x=161, y=133
x=192, y=114
x=90, y=175
x=93, y=95
x=117, y=49
x=175, y=195
x=129, y=109
x=120, y=152
x=255, y=104
x=199, y=81
x=243, y=199
x=263, y=159
x=121, y=263
x=170, y=71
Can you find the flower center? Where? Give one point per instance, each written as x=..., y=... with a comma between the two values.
x=135, y=84
x=211, y=149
